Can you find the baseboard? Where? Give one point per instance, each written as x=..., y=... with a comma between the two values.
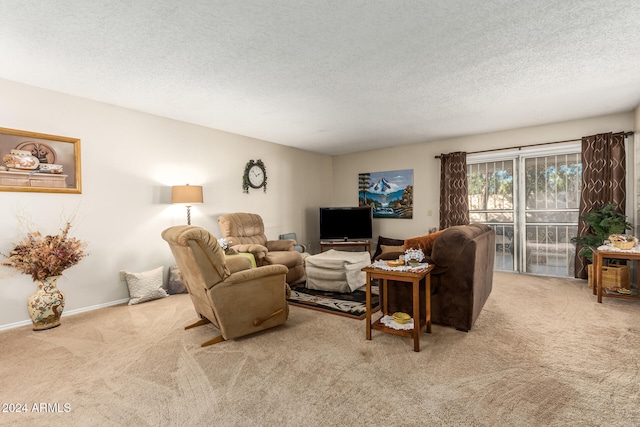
x=66, y=313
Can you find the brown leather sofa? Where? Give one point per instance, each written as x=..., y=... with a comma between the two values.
x=461, y=280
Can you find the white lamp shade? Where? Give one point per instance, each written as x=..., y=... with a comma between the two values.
x=186, y=194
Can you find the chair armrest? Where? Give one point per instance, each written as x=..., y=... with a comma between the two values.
x=257, y=273
x=237, y=263
x=281, y=245
x=258, y=251
x=250, y=247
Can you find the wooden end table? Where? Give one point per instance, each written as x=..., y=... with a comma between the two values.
x=598, y=257
x=420, y=323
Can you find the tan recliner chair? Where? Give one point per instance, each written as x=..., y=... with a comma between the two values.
x=227, y=292
x=245, y=233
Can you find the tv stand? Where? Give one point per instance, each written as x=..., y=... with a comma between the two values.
x=337, y=244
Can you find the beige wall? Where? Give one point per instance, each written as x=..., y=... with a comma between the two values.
x=129, y=162
x=426, y=169
x=636, y=162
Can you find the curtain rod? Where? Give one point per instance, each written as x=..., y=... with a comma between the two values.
x=520, y=147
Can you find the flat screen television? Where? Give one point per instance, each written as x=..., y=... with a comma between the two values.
x=346, y=223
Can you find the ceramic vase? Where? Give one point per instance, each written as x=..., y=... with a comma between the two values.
x=21, y=159
x=46, y=304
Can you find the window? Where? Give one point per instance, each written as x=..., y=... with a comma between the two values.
x=531, y=199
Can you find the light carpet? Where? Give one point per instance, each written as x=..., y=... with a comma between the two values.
x=542, y=353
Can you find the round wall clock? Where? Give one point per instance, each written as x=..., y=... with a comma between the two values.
x=255, y=176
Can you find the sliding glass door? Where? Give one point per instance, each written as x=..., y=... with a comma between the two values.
x=532, y=202
x=552, y=187
x=492, y=201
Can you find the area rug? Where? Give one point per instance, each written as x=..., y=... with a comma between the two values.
x=352, y=305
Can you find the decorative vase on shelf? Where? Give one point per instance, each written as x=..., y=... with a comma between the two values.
x=21, y=160
x=46, y=304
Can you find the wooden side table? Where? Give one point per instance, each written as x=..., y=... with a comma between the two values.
x=420, y=323
x=598, y=257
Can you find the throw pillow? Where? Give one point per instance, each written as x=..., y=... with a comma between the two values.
x=387, y=242
x=145, y=286
x=176, y=281
x=386, y=248
x=422, y=242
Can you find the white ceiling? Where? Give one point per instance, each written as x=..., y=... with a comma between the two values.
x=334, y=76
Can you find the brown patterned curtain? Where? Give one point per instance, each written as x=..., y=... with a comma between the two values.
x=603, y=180
x=454, y=204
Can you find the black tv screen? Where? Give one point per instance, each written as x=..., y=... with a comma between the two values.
x=346, y=223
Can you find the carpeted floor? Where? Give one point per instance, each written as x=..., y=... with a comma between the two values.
x=542, y=353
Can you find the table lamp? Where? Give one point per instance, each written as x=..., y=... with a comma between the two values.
x=187, y=195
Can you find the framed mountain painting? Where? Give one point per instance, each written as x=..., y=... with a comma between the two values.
x=390, y=193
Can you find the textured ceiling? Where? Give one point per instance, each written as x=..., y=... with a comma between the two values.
x=334, y=76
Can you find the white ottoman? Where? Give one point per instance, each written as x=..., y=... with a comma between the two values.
x=337, y=271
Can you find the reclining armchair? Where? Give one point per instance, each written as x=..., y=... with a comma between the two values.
x=226, y=292
x=245, y=233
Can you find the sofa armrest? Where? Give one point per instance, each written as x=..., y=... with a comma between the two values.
x=436, y=269
x=281, y=245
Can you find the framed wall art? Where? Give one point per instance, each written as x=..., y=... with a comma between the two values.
x=390, y=194
x=39, y=162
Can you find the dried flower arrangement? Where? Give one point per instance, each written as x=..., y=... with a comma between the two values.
x=42, y=257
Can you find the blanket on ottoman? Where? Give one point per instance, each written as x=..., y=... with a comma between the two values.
x=337, y=271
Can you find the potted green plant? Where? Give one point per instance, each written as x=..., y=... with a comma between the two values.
x=602, y=222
